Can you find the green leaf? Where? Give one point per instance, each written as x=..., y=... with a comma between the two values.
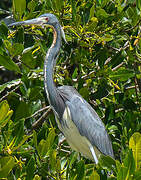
x=37, y=177
x=52, y=156
x=42, y=148
x=92, y=24
x=117, y=58
x=17, y=49
x=3, y=31
x=14, y=49
x=30, y=168
x=135, y=145
x=102, y=56
x=31, y=5
x=51, y=137
x=129, y=104
x=35, y=138
x=73, y=5
x=28, y=59
x=75, y=73
x=58, y=165
x=138, y=3
x=118, y=165
x=35, y=93
x=107, y=38
x=107, y=162
x=73, y=158
x=130, y=164
x=122, y=74
x=24, y=139
x=45, y=145
x=9, y=64
x=92, y=11
x=127, y=169
x=18, y=131
x=101, y=13
x=59, y=5
x=19, y=7
x=122, y=174
x=94, y=176
x=19, y=113
x=84, y=93
x=137, y=175
x=5, y=113
x=80, y=170
x=6, y=165
x=10, y=84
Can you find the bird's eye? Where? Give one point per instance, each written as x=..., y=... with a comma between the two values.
x=46, y=19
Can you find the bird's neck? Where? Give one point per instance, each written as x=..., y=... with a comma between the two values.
x=49, y=64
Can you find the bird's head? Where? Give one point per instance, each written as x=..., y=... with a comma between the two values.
x=47, y=19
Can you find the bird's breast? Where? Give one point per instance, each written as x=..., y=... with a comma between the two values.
x=76, y=141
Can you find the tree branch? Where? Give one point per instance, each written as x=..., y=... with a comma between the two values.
x=40, y=121
x=9, y=93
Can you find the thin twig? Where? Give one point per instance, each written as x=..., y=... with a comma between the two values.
x=63, y=150
x=118, y=66
x=136, y=90
x=119, y=110
x=126, y=45
x=8, y=93
x=133, y=26
x=130, y=87
x=85, y=77
x=39, y=111
x=137, y=84
x=40, y=121
x=2, y=11
x=107, y=60
x=88, y=75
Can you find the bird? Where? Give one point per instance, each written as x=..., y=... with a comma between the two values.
x=77, y=120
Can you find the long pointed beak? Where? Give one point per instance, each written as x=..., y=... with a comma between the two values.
x=36, y=21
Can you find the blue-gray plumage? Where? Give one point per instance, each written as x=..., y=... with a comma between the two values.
x=78, y=121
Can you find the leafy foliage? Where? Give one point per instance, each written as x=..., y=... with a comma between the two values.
x=102, y=60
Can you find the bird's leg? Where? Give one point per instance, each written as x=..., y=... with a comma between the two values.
x=61, y=139
x=94, y=154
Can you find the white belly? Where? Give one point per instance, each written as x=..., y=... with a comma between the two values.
x=76, y=141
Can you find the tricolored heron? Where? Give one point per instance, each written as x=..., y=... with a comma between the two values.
x=78, y=121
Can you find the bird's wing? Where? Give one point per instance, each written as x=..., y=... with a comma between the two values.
x=89, y=124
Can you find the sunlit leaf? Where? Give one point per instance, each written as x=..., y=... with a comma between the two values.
x=42, y=148
x=135, y=145
x=92, y=24
x=24, y=139
x=5, y=113
x=9, y=64
x=51, y=137
x=94, y=176
x=138, y=2
x=101, y=13
x=37, y=177
x=6, y=165
x=19, y=7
